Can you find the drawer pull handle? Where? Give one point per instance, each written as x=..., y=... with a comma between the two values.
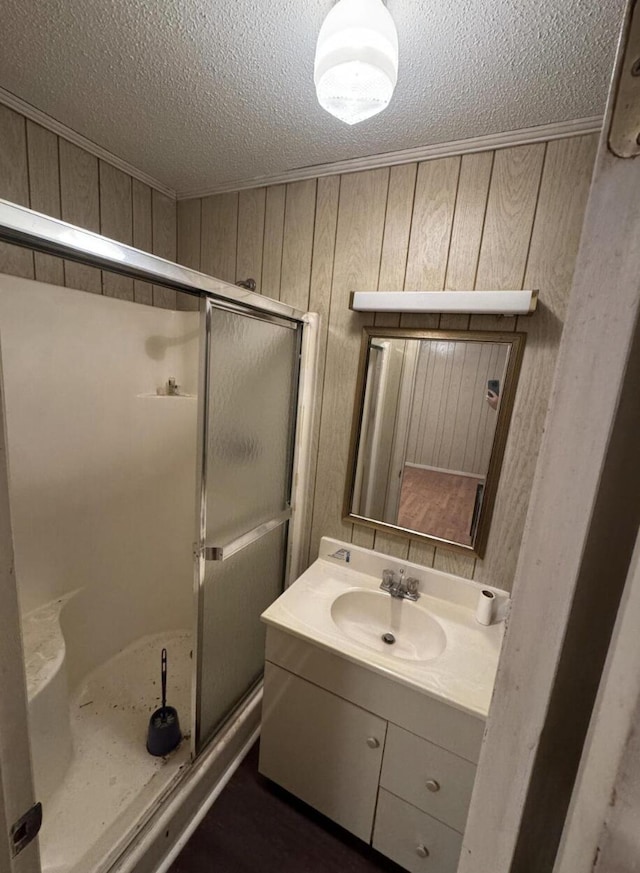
x=422, y=851
x=373, y=743
x=432, y=785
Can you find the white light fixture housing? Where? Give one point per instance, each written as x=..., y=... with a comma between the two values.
x=480, y=302
x=356, y=66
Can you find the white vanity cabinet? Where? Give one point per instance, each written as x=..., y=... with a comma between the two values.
x=390, y=764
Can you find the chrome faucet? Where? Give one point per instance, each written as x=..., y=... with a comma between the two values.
x=401, y=586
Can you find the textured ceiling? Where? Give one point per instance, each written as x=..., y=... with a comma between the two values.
x=203, y=92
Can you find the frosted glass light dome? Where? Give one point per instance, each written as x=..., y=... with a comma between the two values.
x=356, y=66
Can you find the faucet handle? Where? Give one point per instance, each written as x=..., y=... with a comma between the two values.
x=412, y=586
x=388, y=578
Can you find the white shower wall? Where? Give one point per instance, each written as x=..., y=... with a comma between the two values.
x=102, y=471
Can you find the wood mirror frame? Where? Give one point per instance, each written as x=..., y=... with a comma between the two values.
x=516, y=342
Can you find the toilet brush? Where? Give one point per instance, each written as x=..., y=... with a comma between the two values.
x=164, y=726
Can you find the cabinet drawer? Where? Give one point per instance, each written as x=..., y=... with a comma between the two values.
x=413, y=839
x=431, y=778
x=321, y=748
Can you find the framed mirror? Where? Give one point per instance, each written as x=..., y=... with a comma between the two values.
x=431, y=418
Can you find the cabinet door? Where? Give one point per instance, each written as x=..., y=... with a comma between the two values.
x=321, y=748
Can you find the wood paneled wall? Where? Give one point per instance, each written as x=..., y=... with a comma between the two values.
x=496, y=220
x=51, y=175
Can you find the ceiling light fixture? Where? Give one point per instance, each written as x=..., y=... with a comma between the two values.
x=356, y=66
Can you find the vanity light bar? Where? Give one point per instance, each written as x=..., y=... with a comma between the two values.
x=481, y=302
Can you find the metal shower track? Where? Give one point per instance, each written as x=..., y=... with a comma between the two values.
x=32, y=230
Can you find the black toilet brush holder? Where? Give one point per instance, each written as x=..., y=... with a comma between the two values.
x=164, y=733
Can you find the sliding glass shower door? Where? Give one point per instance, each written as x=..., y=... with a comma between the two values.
x=248, y=400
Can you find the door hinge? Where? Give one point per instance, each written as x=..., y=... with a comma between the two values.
x=624, y=133
x=26, y=829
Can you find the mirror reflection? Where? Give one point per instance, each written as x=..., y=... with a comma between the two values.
x=433, y=412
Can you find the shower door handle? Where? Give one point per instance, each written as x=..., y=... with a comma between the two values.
x=221, y=553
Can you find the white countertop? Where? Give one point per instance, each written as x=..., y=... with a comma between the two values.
x=463, y=674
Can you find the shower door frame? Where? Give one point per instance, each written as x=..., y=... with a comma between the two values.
x=32, y=230
x=203, y=551
x=17, y=788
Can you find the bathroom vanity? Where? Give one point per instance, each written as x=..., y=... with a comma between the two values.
x=381, y=736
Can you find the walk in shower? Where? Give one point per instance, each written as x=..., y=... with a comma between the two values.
x=151, y=458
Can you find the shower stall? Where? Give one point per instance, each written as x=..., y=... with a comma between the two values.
x=151, y=457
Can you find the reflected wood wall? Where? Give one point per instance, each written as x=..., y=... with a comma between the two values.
x=507, y=219
x=51, y=175
x=451, y=425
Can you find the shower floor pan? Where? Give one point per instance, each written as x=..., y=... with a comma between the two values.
x=112, y=781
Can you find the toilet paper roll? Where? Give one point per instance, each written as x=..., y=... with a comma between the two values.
x=484, y=609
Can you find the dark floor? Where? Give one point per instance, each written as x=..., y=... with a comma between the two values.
x=256, y=826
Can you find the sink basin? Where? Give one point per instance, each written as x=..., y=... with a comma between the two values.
x=368, y=616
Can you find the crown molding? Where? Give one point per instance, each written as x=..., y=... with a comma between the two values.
x=525, y=136
x=44, y=120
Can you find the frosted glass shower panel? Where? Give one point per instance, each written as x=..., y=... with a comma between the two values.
x=253, y=367
x=236, y=592
x=252, y=374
